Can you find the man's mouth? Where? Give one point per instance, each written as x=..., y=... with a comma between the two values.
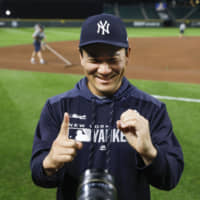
x=105, y=79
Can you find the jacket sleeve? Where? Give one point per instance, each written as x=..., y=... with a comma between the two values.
x=45, y=133
x=166, y=169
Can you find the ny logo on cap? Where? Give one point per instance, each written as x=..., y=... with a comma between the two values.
x=103, y=27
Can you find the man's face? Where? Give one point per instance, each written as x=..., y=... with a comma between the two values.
x=104, y=66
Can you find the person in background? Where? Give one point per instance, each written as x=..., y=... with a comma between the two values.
x=107, y=123
x=182, y=28
x=38, y=36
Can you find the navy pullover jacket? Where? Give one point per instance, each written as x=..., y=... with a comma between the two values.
x=132, y=177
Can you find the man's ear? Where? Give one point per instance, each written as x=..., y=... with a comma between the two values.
x=81, y=56
x=128, y=52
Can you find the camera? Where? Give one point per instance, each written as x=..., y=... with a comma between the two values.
x=96, y=184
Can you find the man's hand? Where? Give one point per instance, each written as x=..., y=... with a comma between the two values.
x=63, y=149
x=136, y=130
x=43, y=45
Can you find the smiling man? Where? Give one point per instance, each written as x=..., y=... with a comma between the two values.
x=104, y=67
x=120, y=128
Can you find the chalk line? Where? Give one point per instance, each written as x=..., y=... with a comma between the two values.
x=177, y=98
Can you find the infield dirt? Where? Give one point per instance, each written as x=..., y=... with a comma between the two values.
x=165, y=59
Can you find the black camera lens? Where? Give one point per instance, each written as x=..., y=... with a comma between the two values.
x=96, y=184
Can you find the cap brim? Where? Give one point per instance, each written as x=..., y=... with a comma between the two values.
x=113, y=43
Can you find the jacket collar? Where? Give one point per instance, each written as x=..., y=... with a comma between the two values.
x=86, y=93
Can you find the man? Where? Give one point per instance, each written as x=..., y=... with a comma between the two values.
x=182, y=28
x=38, y=36
x=125, y=130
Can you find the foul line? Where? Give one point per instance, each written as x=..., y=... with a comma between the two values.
x=177, y=98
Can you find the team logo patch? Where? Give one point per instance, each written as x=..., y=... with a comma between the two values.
x=103, y=27
x=83, y=135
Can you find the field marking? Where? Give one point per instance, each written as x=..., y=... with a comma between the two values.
x=177, y=98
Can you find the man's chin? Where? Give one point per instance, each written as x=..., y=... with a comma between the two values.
x=107, y=91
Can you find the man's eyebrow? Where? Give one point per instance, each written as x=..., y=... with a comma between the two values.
x=107, y=56
x=96, y=54
x=100, y=60
x=103, y=58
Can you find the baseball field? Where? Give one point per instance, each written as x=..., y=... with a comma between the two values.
x=161, y=64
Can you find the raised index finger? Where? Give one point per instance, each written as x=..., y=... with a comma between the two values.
x=64, y=130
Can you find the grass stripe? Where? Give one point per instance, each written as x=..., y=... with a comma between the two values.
x=19, y=36
x=177, y=98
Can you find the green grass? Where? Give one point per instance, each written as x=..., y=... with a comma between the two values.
x=160, y=32
x=179, y=89
x=23, y=95
x=18, y=36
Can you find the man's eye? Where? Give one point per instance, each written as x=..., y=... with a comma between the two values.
x=112, y=61
x=94, y=61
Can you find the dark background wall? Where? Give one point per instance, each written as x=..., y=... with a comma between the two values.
x=51, y=8
x=65, y=9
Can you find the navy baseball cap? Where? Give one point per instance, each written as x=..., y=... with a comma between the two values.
x=104, y=28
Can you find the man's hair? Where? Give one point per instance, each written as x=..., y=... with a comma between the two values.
x=82, y=48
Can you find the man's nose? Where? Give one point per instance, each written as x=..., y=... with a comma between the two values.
x=104, y=68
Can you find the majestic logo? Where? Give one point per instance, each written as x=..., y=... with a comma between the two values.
x=103, y=28
x=77, y=116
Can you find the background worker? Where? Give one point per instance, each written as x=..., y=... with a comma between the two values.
x=38, y=36
x=182, y=28
x=126, y=131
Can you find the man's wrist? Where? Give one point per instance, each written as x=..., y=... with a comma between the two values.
x=149, y=156
x=48, y=168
